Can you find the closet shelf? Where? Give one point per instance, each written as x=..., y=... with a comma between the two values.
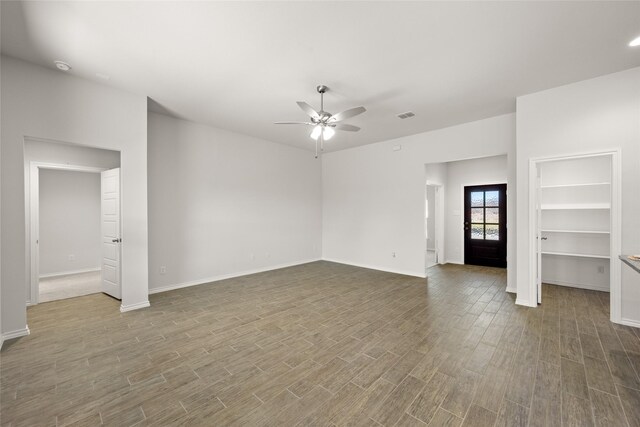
x=576, y=231
x=589, y=184
x=576, y=255
x=575, y=206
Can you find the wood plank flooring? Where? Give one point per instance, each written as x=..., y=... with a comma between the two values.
x=327, y=344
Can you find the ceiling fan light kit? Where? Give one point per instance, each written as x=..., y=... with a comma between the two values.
x=324, y=123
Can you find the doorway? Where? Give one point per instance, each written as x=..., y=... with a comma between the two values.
x=451, y=178
x=485, y=225
x=434, y=225
x=74, y=231
x=69, y=237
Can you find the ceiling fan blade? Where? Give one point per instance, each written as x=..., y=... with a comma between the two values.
x=308, y=110
x=348, y=128
x=347, y=114
x=293, y=123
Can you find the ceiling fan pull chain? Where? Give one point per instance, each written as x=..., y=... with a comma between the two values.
x=316, y=148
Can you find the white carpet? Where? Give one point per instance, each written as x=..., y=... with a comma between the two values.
x=69, y=286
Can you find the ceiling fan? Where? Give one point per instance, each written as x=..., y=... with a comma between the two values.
x=324, y=123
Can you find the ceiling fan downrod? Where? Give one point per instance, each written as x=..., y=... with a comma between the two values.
x=321, y=90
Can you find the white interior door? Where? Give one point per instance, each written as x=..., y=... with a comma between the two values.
x=539, y=237
x=111, y=241
x=440, y=224
x=436, y=238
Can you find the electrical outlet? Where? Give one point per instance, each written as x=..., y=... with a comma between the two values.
x=601, y=269
x=163, y=269
x=72, y=257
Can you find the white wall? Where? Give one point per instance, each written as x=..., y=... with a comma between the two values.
x=431, y=218
x=593, y=115
x=436, y=173
x=69, y=221
x=373, y=197
x=223, y=204
x=488, y=170
x=48, y=104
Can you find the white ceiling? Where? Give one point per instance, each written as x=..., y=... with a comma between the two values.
x=242, y=65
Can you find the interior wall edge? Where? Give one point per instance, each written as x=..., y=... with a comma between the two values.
x=630, y=322
x=136, y=306
x=526, y=302
x=16, y=334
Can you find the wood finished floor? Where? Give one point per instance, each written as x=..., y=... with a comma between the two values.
x=327, y=344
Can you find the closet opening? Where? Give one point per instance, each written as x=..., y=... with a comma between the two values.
x=576, y=226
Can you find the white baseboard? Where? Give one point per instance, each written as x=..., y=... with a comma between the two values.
x=453, y=262
x=512, y=290
x=630, y=322
x=66, y=273
x=526, y=303
x=131, y=307
x=16, y=334
x=159, y=289
x=577, y=285
x=374, y=267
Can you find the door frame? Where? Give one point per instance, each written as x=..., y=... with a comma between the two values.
x=463, y=214
x=461, y=222
x=439, y=224
x=34, y=219
x=615, y=218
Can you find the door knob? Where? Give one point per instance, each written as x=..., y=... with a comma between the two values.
x=116, y=240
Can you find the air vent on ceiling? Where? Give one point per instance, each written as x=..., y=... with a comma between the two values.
x=406, y=115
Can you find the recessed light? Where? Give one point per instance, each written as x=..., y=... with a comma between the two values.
x=635, y=42
x=62, y=65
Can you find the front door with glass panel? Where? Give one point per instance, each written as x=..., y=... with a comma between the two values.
x=485, y=225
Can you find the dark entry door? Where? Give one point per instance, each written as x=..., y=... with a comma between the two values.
x=485, y=225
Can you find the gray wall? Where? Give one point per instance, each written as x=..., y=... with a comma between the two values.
x=224, y=204
x=69, y=221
